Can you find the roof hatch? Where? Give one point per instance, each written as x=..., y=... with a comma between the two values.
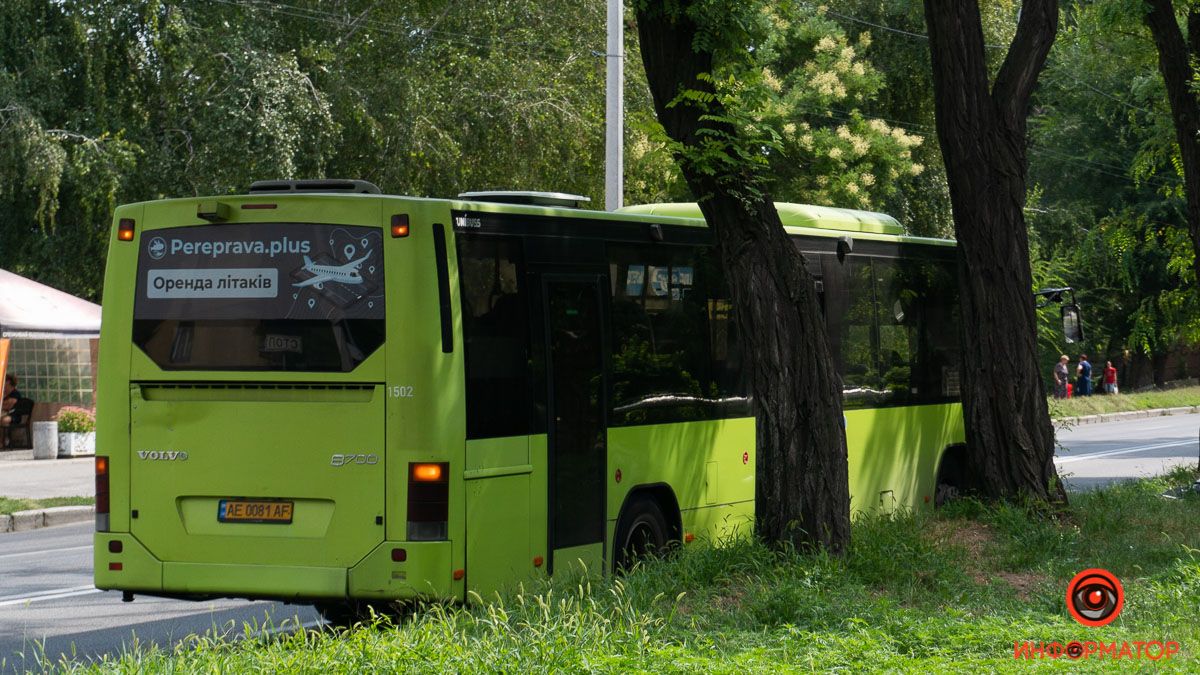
x=260, y=187
x=561, y=199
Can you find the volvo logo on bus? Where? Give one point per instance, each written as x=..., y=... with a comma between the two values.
x=347, y=460
x=163, y=455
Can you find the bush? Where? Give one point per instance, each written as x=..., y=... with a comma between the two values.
x=75, y=420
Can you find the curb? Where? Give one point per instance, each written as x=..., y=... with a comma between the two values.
x=1129, y=415
x=20, y=521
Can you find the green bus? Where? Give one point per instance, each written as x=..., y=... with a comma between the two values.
x=318, y=393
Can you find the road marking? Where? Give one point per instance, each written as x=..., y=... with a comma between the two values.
x=55, y=594
x=45, y=552
x=1097, y=455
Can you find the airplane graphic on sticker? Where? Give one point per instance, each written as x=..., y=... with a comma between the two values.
x=344, y=274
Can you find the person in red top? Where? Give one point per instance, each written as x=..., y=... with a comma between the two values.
x=1110, y=378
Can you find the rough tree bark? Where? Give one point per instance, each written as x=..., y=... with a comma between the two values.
x=802, y=483
x=1175, y=63
x=1010, y=442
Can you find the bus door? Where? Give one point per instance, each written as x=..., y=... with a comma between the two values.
x=576, y=428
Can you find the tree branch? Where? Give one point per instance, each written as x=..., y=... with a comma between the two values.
x=1025, y=59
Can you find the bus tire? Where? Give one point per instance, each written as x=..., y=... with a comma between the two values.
x=341, y=613
x=642, y=532
x=952, y=476
x=348, y=613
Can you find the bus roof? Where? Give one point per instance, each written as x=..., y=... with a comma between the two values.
x=795, y=215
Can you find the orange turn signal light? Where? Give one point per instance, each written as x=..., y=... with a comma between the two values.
x=427, y=472
x=400, y=225
x=125, y=229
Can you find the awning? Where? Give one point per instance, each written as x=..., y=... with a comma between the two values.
x=32, y=310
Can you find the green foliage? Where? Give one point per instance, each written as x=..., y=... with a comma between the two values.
x=75, y=421
x=791, y=123
x=836, y=156
x=1110, y=207
x=104, y=102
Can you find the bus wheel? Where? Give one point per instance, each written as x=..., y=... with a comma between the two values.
x=642, y=533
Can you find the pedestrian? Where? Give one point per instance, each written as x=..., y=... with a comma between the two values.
x=1110, y=378
x=1083, y=371
x=1061, y=376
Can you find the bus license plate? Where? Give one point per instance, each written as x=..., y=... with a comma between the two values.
x=254, y=511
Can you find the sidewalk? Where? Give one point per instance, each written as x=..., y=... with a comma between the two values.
x=21, y=476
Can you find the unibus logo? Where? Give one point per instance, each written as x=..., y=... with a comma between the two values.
x=1095, y=597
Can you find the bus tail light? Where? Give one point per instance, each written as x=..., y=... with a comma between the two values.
x=125, y=229
x=101, y=493
x=428, y=501
x=400, y=225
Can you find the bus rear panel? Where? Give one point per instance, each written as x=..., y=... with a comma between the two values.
x=275, y=401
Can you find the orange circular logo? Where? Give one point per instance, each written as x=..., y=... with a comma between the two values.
x=1095, y=597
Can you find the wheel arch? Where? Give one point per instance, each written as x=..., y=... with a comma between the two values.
x=664, y=496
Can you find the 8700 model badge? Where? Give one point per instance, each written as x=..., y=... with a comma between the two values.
x=347, y=460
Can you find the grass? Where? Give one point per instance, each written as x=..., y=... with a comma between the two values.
x=945, y=592
x=12, y=504
x=1148, y=400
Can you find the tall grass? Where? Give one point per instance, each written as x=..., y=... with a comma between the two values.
x=945, y=592
x=11, y=504
x=1147, y=400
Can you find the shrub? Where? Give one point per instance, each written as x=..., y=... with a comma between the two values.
x=75, y=420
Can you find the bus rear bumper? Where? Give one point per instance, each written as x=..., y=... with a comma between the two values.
x=422, y=570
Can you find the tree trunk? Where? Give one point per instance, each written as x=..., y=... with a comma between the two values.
x=1010, y=441
x=1158, y=364
x=1175, y=64
x=802, y=477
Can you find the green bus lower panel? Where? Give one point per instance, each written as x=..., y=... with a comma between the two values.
x=131, y=568
x=425, y=571
x=275, y=581
x=721, y=522
x=498, y=536
x=587, y=560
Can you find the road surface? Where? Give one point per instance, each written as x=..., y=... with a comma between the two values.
x=49, y=606
x=1092, y=455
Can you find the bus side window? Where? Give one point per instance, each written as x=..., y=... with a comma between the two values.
x=675, y=348
x=496, y=336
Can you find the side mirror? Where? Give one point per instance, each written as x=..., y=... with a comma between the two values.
x=1072, y=323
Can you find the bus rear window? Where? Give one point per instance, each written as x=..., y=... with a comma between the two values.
x=262, y=296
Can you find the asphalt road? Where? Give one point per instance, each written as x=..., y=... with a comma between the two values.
x=50, y=609
x=1093, y=455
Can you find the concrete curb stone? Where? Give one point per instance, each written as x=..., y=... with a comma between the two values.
x=1129, y=415
x=20, y=521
